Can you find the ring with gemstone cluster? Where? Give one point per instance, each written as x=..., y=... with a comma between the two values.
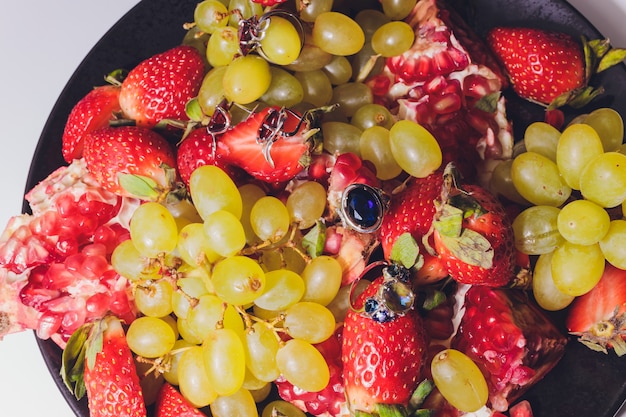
x=363, y=207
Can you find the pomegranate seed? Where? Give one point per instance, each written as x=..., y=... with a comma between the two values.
x=66, y=205
x=58, y=277
x=49, y=324
x=93, y=267
x=94, y=249
x=97, y=305
x=447, y=103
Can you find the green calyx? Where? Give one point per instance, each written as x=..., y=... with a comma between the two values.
x=412, y=409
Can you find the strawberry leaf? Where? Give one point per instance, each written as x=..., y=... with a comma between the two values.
x=139, y=186
x=73, y=361
x=95, y=343
x=405, y=251
x=488, y=103
x=391, y=410
x=420, y=394
x=470, y=247
x=611, y=58
x=313, y=241
x=450, y=221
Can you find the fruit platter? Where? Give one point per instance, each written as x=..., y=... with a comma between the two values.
x=355, y=232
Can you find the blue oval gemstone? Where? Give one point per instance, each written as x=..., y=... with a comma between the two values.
x=363, y=206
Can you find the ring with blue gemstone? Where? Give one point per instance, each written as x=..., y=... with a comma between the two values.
x=363, y=207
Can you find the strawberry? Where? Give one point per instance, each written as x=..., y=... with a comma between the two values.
x=133, y=155
x=551, y=68
x=97, y=361
x=475, y=240
x=384, y=344
x=598, y=317
x=171, y=403
x=269, y=3
x=160, y=87
x=195, y=151
x=92, y=112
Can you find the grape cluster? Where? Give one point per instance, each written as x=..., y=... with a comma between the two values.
x=573, y=183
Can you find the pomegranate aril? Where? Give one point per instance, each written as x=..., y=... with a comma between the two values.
x=58, y=277
x=49, y=324
x=97, y=305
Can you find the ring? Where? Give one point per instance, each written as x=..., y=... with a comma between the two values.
x=363, y=207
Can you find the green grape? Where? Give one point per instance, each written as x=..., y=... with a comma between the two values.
x=322, y=280
x=211, y=91
x=224, y=232
x=311, y=57
x=365, y=63
x=338, y=70
x=341, y=137
x=256, y=387
x=501, y=183
x=306, y=204
x=190, y=289
x=414, y=148
x=269, y=219
x=542, y=138
x=340, y=305
x=129, y=263
x=303, y=365
x=193, y=246
x=224, y=360
x=603, y=180
x=261, y=345
x=186, y=333
x=309, y=321
x=376, y=148
x=239, y=404
x=316, y=87
x=576, y=269
x=281, y=42
x=370, y=20
x=193, y=380
x=583, y=222
x=397, y=9
x=609, y=125
x=459, y=380
x=283, y=288
x=210, y=15
x=393, y=38
x=198, y=39
x=284, y=91
x=538, y=180
x=337, y=34
x=238, y=280
x=351, y=96
x=150, y=337
x=250, y=194
x=243, y=9
x=212, y=189
x=281, y=408
x=313, y=8
x=171, y=372
x=546, y=293
x=154, y=298
x=370, y=115
x=578, y=145
x=536, y=231
x=246, y=79
x=153, y=230
x=210, y=313
x=222, y=46
x=612, y=244
x=286, y=258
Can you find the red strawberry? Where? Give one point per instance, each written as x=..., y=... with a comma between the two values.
x=111, y=379
x=195, y=151
x=112, y=152
x=171, y=403
x=382, y=351
x=599, y=316
x=160, y=87
x=92, y=112
x=551, y=68
x=482, y=251
x=269, y=3
x=270, y=159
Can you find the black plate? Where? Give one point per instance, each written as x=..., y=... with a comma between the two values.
x=584, y=384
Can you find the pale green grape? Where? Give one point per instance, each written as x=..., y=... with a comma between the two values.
x=311, y=57
x=129, y=263
x=303, y=365
x=261, y=346
x=284, y=91
x=281, y=41
x=414, y=148
x=269, y=218
x=576, y=269
x=309, y=321
x=609, y=125
x=306, y=203
x=223, y=46
x=189, y=290
x=316, y=87
x=210, y=15
x=542, y=138
x=338, y=70
x=250, y=194
x=459, y=380
x=150, y=337
x=546, y=293
x=322, y=279
x=246, y=79
x=337, y=34
x=193, y=246
x=171, y=373
x=612, y=244
x=501, y=183
x=283, y=288
x=370, y=115
x=536, y=231
x=224, y=360
x=578, y=145
x=583, y=222
x=154, y=298
x=603, y=180
x=313, y=8
x=538, y=180
x=224, y=233
x=211, y=91
x=340, y=305
x=212, y=189
x=362, y=64
x=153, y=230
x=281, y=408
x=239, y=404
x=238, y=280
x=341, y=137
x=376, y=148
x=193, y=380
x=186, y=333
x=243, y=9
x=370, y=20
x=256, y=387
x=210, y=313
x=351, y=96
x=393, y=38
x=397, y=9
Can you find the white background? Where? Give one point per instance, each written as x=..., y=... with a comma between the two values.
x=41, y=44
